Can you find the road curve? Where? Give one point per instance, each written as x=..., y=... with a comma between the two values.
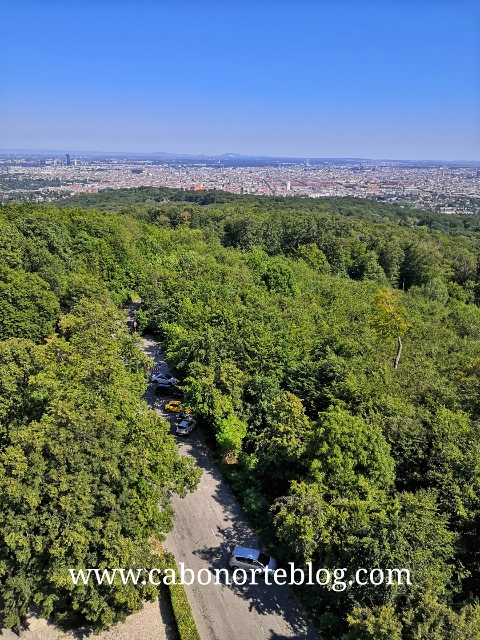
x=207, y=525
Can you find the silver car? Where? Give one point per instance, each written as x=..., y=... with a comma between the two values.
x=252, y=560
x=185, y=426
x=163, y=378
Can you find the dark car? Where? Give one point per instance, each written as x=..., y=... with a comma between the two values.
x=168, y=390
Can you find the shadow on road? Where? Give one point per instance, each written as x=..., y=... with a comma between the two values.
x=264, y=599
x=231, y=529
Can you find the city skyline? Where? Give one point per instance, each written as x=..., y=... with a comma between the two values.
x=340, y=79
x=444, y=188
x=169, y=156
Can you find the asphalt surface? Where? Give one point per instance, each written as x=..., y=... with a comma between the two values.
x=208, y=524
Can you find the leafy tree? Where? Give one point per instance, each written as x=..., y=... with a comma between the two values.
x=388, y=320
x=382, y=624
x=431, y=619
x=12, y=245
x=83, y=469
x=28, y=308
x=314, y=257
x=391, y=256
x=282, y=444
x=230, y=432
x=279, y=278
x=415, y=268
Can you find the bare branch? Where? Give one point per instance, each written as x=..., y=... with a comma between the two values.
x=399, y=353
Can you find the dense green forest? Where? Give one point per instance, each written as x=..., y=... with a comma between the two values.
x=86, y=469
x=331, y=349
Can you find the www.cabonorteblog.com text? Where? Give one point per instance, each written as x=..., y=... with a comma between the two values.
x=335, y=579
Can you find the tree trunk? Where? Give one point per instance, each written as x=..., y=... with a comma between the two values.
x=399, y=353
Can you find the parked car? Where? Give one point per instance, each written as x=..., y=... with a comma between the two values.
x=168, y=390
x=174, y=405
x=252, y=560
x=185, y=426
x=163, y=378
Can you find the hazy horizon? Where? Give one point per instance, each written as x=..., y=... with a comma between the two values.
x=168, y=155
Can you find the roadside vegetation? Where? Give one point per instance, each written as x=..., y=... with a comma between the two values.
x=331, y=348
x=186, y=627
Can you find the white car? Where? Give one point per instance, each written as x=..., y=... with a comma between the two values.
x=164, y=378
x=186, y=426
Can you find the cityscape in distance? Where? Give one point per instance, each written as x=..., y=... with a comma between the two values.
x=45, y=176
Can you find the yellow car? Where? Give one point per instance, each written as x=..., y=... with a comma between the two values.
x=175, y=406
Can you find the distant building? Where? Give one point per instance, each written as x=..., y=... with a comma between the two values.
x=68, y=160
x=288, y=185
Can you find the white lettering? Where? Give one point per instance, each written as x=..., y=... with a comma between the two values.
x=372, y=572
x=279, y=573
x=217, y=576
x=327, y=577
x=357, y=577
x=235, y=577
x=399, y=575
x=209, y=575
x=183, y=571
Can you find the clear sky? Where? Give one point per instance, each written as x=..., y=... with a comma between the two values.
x=393, y=79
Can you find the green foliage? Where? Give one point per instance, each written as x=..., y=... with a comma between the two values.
x=416, y=266
x=280, y=316
x=28, y=308
x=230, y=432
x=279, y=277
x=314, y=257
x=280, y=447
x=382, y=624
x=186, y=627
x=86, y=470
x=388, y=320
x=83, y=469
x=429, y=619
x=350, y=452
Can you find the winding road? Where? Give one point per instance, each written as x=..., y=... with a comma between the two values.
x=207, y=525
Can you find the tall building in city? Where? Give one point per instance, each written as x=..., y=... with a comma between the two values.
x=288, y=186
x=68, y=160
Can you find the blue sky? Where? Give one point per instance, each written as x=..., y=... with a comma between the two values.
x=345, y=78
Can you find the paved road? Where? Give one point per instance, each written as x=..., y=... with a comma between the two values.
x=207, y=525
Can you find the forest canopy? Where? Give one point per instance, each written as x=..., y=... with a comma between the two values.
x=86, y=469
x=284, y=319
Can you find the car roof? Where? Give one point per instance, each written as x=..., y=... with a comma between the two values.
x=246, y=552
